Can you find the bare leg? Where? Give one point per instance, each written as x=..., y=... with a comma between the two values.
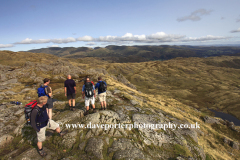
x=39, y=144
x=93, y=106
x=73, y=102
x=87, y=108
x=69, y=102
x=50, y=113
x=101, y=104
x=58, y=130
x=105, y=104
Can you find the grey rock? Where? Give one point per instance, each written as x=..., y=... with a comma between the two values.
x=117, y=134
x=10, y=93
x=120, y=144
x=116, y=91
x=21, y=120
x=3, y=77
x=111, y=132
x=82, y=145
x=131, y=154
x=226, y=140
x=124, y=149
x=69, y=139
x=26, y=89
x=95, y=146
x=38, y=80
x=33, y=154
x=123, y=80
x=107, y=140
x=18, y=130
x=5, y=140
x=234, y=145
x=210, y=120
x=93, y=118
x=148, y=135
x=21, y=111
x=89, y=134
x=109, y=93
x=134, y=102
x=190, y=132
x=9, y=82
x=2, y=93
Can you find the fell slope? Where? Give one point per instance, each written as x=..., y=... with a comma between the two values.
x=126, y=105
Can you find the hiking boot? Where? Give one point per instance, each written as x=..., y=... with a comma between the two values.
x=70, y=108
x=73, y=108
x=42, y=152
x=94, y=110
x=86, y=113
x=62, y=133
x=105, y=108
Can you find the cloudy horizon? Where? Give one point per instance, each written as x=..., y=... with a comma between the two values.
x=30, y=24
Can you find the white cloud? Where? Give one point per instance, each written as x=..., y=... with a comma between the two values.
x=6, y=45
x=234, y=31
x=206, y=38
x=195, y=16
x=52, y=46
x=39, y=41
x=31, y=41
x=90, y=43
x=64, y=40
x=85, y=38
x=159, y=37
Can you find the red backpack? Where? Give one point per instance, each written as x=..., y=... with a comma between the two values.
x=28, y=109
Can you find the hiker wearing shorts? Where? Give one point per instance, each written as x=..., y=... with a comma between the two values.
x=102, y=88
x=70, y=91
x=88, y=93
x=40, y=122
x=48, y=93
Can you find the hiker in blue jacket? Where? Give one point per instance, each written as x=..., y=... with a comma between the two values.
x=102, y=88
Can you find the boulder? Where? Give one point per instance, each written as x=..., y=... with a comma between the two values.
x=5, y=140
x=123, y=149
x=210, y=120
x=95, y=146
x=234, y=145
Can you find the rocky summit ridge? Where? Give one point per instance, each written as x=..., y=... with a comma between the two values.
x=215, y=139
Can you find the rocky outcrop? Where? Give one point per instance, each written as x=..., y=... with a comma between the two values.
x=123, y=80
x=5, y=139
x=210, y=120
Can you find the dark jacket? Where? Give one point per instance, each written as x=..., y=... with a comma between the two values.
x=39, y=118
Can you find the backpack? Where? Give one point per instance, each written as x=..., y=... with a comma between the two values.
x=28, y=110
x=89, y=89
x=41, y=91
x=102, y=87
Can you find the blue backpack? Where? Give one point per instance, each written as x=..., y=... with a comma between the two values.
x=41, y=91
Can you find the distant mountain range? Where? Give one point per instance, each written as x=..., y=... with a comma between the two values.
x=123, y=54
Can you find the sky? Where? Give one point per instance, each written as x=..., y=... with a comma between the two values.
x=34, y=24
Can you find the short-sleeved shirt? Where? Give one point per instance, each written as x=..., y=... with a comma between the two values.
x=48, y=90
x=70, y=84
x=98, y=85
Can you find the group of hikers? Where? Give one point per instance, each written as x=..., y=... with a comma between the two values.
x=39, y=113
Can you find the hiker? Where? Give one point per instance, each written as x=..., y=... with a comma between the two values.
x=102, y=88
x=70, y=91
x=40, y=122
x=88, y=92
x=45, y=90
